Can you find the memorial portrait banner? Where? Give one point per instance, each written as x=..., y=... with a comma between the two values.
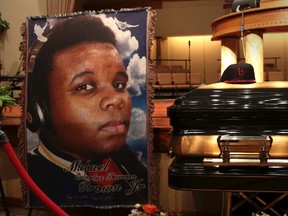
x=86, y=134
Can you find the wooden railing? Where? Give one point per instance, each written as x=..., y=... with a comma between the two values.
x=161, y=125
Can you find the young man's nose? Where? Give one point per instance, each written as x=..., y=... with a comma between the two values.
x=111, y=100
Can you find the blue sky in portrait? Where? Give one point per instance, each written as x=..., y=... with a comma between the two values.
x=131, y=36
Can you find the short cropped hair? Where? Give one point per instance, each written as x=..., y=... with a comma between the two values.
x=74, y=31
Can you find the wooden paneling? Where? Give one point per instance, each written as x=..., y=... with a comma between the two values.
x=161, y=125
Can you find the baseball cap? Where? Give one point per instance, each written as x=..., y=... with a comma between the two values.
x=238, y=73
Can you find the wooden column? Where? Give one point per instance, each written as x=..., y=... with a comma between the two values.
x=254, y=53
x=229, y=50
x=158, y=49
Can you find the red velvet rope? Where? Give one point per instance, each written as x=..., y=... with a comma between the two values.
x=30, y=183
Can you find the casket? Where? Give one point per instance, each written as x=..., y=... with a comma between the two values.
x=229, y=137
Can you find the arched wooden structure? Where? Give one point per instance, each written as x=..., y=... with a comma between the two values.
x=249, y=25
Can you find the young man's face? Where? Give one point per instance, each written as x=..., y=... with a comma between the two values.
x=90, y=106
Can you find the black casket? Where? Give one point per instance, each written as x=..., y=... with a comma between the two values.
x=230, y=137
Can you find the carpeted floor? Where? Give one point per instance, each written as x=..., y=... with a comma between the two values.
x=17, y=211
x=24, y=212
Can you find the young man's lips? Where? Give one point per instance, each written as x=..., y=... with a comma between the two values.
x=114, y=127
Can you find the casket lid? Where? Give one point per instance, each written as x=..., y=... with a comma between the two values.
x=265, y=95
x=259, y=85
x=259, y=106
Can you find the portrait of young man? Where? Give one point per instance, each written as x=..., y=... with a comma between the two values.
x=86, y=108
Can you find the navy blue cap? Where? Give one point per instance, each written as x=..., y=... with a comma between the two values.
x=238, y=73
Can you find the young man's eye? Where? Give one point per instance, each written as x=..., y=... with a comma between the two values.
x=85, y=87
x=119, y=85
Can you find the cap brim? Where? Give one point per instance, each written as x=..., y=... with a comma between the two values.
x=239, y=81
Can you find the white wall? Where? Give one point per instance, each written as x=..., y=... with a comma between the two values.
x=202, y=52
x=15, y=12
x=180, y=18
x=275, y=45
